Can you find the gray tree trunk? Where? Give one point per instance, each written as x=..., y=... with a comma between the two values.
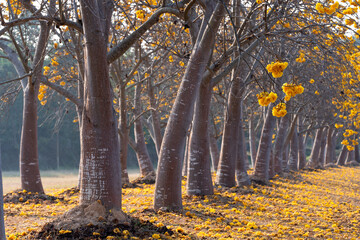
x=214, y=151
x=329, y=146
x=279, y=143
x=242, y=178
x=315, y=153
x=100, y=178
x=168, y=179
x=342, y=156
x=294, y=152
x=262, y=163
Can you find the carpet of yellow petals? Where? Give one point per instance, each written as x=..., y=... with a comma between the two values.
x=322, y=204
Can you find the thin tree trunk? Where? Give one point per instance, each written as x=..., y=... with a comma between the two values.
x=262, y=163
x=357, y=155
x=2, y=222
x=302, y=153
x=214, y=151
x=342, y=156
x=279, y=143
x=155, y=118
x=142, y=153
x=168, y=179
x=199, y=180
x=186, y=156
x=242, y=178
x=321, y=160
x=294, y=152
x=124, y=136
x=315, y=153
x=350, y=157
x=100, y=178
x=252, y=140
x=329, y=146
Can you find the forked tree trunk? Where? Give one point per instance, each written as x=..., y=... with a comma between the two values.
x=262, y=163
x=315, y=153
x=199, y=180
x=142, y=153
x=168, y=179
x=29, y=159
x=294, y=152
x=100, y=178
x=342, y=156
x=279, y=143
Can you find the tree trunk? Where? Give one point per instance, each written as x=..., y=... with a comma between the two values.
x=350, y=157
x=342, y=156
x=242, y=178
x=100, y=178
x=142, y=153
x=262, y=163
x=186, y=156
x=321, y=160
x=214, y=151
x=302, y=153
x=199, y=180
x=294, y=152
x=329, y=146
x=357, y=155
x=168, y=179
x=279, y=143
x=124, y=134
x=29, y=159
x=2, y=222
x=155, y=118
x=252, y=141
x=315, y=153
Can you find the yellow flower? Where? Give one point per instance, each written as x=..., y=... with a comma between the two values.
x=277, y=68
x=140, y=14
x=156, y=236
x=316, y=92
x=171, y=59
x=279, y=110
x=312, y=81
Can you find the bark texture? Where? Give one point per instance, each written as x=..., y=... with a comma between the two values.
x=199, y=180
x=342, y=156
x=262, y=163
x=100, y=178
x=168, y=181
x=315, y=153
x=294, y=152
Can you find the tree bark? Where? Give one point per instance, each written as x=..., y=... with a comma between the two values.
x=357, y=154
x=214, y=151
x=199, y=180
x=242, y=178
x=100, y=178
x=124, y=136
x=302, y=153
x=252, y=140
x=315, y=153
x=29, y=159
x=321, y=160
x=168, y=179
x=294, y=152
x=142, y=153
x=342, y=156
x=155, y=118
x=262, y=163
x=350, y=157
x=329, y=146
x=279, y=143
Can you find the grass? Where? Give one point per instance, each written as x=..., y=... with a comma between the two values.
x=322, y=204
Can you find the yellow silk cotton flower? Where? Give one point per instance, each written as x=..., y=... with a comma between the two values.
x=277, y=68
x=266, y=98
x=279, y=110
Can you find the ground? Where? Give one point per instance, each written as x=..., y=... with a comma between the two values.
x=322, y=204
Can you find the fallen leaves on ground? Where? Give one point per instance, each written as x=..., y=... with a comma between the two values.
x=322, y=204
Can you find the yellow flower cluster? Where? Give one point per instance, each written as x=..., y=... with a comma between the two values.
x=328, y=10
x=349, y=132
x=291, y=90
x=277, y=68
x=301, y=58
x=266, y=98
x=140, y=14
x=46, y=70
x=42, y=92
x=279, y=110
